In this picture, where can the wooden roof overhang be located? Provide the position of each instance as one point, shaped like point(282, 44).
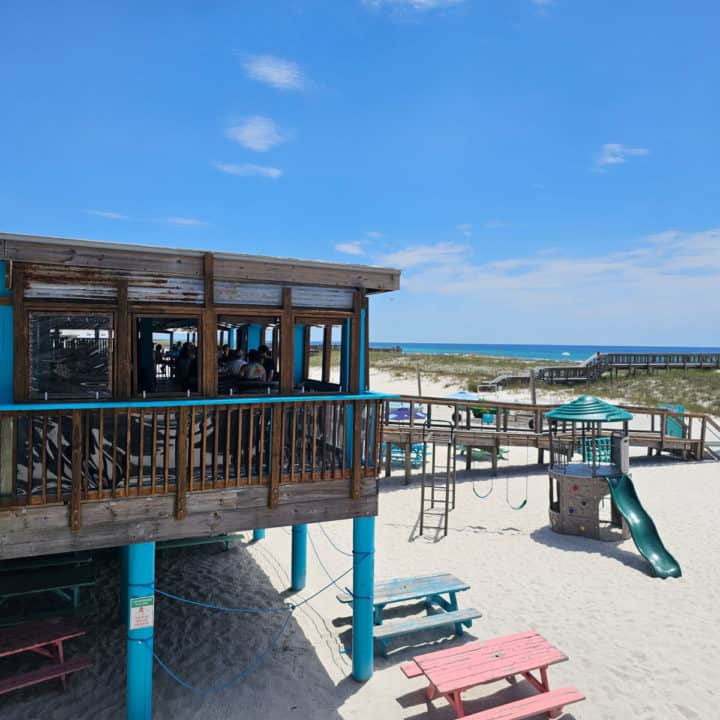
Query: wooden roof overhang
point(182, 263)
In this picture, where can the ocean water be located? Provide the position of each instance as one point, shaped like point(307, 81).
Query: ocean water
point(569, 353)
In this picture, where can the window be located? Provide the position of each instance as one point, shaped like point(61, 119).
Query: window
point(166, 355)
point(70, 355)
point(248, 355)
point(324, 360)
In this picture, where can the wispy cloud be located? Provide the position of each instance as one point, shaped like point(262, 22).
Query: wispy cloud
point(107, 214)
point(275, 71)
point(351, 248)
point(248, 169)
point(465, 229)
point(495, 224)
point(411, 4)
point(439, 254)
point(616, 154)
point(184, 221)
point(375, 234)
point(257, 133)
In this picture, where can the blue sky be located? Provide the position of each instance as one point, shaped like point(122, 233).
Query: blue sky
point(538, 168)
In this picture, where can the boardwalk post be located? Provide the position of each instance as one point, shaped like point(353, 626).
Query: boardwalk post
point(363, 581)
point(140, 592)
point(258, 534)
point(299, 557)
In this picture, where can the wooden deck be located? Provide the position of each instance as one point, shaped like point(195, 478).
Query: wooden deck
point(512, 428)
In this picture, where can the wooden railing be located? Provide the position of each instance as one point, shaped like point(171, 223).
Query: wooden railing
point(75, 453)
point(528, 418)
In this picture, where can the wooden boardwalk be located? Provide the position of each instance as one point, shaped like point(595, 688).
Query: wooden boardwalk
point(600, 363)
point(524, 425)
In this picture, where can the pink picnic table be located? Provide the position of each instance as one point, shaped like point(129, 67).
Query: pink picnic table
point(46, 638)
point(453, 671)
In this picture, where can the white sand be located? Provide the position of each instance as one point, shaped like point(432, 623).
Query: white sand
point(639, 647)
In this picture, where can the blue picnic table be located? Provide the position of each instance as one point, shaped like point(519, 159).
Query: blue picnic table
point(439, 593)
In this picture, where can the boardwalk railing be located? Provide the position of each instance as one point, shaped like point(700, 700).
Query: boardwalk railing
point(71, 453)
point(487, 423)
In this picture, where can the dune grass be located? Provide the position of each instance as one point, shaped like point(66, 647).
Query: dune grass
point(697, 390)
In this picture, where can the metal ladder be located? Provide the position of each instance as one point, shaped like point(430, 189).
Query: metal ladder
point(437, 489)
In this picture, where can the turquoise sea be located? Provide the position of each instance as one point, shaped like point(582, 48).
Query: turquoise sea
point(568, 353)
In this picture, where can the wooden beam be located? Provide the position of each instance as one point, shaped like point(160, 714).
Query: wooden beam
point(181, 464)
point(76, 469)
point(327, 353)
point(32, 530)
point(306, 351)
point(123, 345)
point(355, 343)
point(21, 354)
point(287, 339)
point(208, 333)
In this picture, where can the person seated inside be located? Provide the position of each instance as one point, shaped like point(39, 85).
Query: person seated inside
point(186, 367)
point(267, 362)
point(234, 364)
point(254, 369)
point(223, 355)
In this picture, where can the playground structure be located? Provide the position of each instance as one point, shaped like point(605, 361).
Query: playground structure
point(593, 495)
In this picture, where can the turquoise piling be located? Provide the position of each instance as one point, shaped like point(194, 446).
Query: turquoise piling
point(140, 592)
point(258, 534)
point(299, 557)
point(363, 581)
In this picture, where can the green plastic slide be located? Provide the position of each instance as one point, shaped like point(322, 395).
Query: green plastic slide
point(643, 529)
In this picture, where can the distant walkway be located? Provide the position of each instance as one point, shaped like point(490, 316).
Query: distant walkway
point(600, 363)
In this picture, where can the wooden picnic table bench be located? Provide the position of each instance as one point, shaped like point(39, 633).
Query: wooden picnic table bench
point(46, 638)
point(430, 588)
point(453, 671)
point(63, 580)
point(43, 561)
point(190, 542)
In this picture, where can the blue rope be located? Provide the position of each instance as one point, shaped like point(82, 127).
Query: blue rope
point(254, 665)
point(322, 564)
point(210, 606)
point(330, 540)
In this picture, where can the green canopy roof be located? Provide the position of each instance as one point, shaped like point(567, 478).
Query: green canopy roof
point(588, 407)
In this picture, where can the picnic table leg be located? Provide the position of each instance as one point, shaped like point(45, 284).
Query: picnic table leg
point(378, 614)
point(60, 659)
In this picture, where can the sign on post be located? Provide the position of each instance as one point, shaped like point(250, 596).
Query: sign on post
point(142, 611)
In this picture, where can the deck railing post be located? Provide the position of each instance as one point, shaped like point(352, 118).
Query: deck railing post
point(299, 557)
point(363, 582)
point(140, 592)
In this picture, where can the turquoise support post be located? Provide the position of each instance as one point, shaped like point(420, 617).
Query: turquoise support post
point(253, 336)
point(345, 351)
point(363, 612)
point(299, 557)
point(141, 598)
point(233, 339)
point(258, 534)
point(298, 353)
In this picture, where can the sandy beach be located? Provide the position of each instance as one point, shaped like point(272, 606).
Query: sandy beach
point(638, 647)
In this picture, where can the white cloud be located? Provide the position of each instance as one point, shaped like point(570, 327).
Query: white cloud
point(275, 71)
point(107, 214)
point(256, 133)
point(184, 221)
point(616, 154)
point(412, 4)
point(375, 234)
point(248, 169)
point(351, 248)
point(439, 254)
point(465, 229)
point(495, 224)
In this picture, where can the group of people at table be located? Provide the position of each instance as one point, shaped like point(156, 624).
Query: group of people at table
point(181, 360)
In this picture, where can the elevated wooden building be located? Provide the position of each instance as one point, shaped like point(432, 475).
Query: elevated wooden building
point(119, 423)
